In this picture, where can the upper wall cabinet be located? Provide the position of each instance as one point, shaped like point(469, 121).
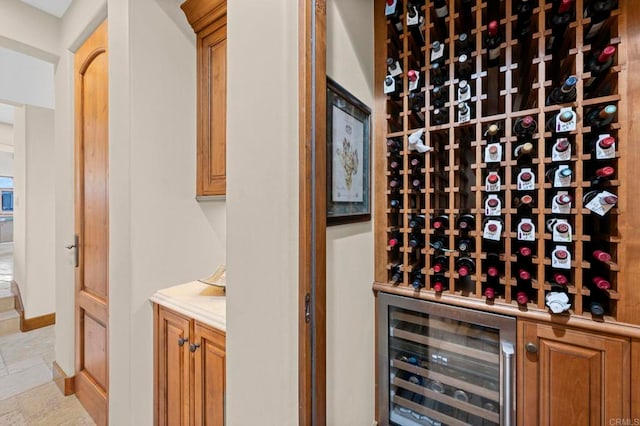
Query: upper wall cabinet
point(209, 21)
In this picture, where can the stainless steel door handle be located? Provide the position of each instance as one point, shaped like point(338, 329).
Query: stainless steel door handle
point(76, 252)
point(508, 389)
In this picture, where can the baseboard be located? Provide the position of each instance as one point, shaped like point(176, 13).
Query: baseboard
point(28, 324)
point(64, 382)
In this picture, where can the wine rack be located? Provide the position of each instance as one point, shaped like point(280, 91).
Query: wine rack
point(449, 180)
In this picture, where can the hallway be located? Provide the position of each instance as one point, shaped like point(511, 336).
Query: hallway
point(27, 394)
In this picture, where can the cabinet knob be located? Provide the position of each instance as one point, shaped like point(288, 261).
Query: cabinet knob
point(194, 346)
point(182, 341)
point(531, 347)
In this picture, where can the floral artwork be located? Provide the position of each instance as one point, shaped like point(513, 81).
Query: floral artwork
point(347, 169)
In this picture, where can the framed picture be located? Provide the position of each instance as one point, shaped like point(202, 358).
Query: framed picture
point(348, 157)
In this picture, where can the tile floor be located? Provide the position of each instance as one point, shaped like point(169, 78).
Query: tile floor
point(27, 394)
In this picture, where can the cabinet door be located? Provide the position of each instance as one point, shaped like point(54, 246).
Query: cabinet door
point(209, 376)
point(570, 377)
point(172, 368)
point(212, 109)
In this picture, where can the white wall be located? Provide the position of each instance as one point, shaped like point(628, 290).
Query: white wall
point(33, 210)
point(350, 301)
point(25, 79)
point(262, 213)
point(29, 30)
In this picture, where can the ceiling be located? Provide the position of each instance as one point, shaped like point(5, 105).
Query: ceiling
point(53, 7)
point(6, 113)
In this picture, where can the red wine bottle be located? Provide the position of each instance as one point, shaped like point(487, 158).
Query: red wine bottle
point(394, 146)
point(599, 118)
point(395, 241)
point(440, 264)
point(440, 223)
point(602, 175)
point(599, 11)
point(465, 266)
point(439, 283)
point(601, 283)
point(565, 93)
point(525, 127)
point(466, 222)
point(492, 43)
point(560, 279)
point(597, 64)
point(558, 21)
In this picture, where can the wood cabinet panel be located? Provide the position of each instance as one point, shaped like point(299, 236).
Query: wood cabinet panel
point(570, 377)
point(208, 20)
point(209, 376)
point(173, 368)
point(189, 379)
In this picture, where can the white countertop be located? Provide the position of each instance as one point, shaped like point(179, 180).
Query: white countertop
point(193, 300)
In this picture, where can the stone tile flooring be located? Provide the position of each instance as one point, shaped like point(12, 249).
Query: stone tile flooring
point(27, 394)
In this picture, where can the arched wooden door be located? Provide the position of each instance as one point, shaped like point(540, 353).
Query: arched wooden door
point(92, 224)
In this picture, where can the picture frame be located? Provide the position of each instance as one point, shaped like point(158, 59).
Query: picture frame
point(348, 157)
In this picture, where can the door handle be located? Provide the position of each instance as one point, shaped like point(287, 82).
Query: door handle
point(76, 253)
point(194, 346)
point(508, 388)
point(182, 341)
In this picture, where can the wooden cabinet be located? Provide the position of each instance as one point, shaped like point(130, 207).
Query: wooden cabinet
point(189, 373)
point(209, 21)
point(571, 377)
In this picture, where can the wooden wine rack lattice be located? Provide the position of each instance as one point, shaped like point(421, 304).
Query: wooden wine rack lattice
point(454, 171)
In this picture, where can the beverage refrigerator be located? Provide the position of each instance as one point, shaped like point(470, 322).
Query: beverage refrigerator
point(444, 365)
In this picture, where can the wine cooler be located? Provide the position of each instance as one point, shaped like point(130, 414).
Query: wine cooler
point(444, 365)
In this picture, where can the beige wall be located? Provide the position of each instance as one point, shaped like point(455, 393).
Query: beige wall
point(19, 188)
point(350, 311)
point(262, 216)
point(28, 30)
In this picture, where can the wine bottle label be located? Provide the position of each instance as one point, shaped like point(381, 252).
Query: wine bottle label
point(389, 86)
point(464, 114)
point(442, 11)
point(565, 126)
point(415, 19)
point(494, 53)
point(492, 230)
point(560, 155)
point(562, 231)
point(415, 142)
point(492, 206)
point(598, 205)
point(464, 95)
point(560, 208)
point(493, 153)
point(492, 186)
point(395, 69)
point(390, 9)
point(526, 185)
point(561, 258)
point(560, 181)
point(437, 54)
point(605, 153)
point(557, 301)
point(526, 230)
point(413, 85)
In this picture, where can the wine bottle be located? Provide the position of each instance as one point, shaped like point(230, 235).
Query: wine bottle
point(492, 43)
point(440, 223)
point(438, 97)
point(393, 11)
point(392, 86)
point(464, 44)
point(597, 64)
point(466, 13)
point(603, 258)
point(440, 264)
point(599, 118)
point(523, 10)
point(523, 151)
point(464, 67)
point(599, 11)
point(466, 222)
point(395, 241)
point(565, 93)
point(416, 240)
point(525, 127)
point(524, 204)
point(439, 244)
point(415, 21)
point(394, 146)
point(559, 176)
point(465, 266)
point(603, 148)
point(464, 91)
point(561, 150)
point(464, 112)
point(602, 175)
point(437, 74)
point(442, 10)
point(560, 279)
point(416, 103)
point(417, 279)
point(414, 80)
point(565, 118)
point(440, 116)
point(558, 21)
point(438, 53)
point(598, 301)
point(395, 183)
point(493, 267)
point(439, 283)
point(417, 183)
point(396, 273)
point(465, 245)
point(416, 223)
point(395, 204)
point(415, 165)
